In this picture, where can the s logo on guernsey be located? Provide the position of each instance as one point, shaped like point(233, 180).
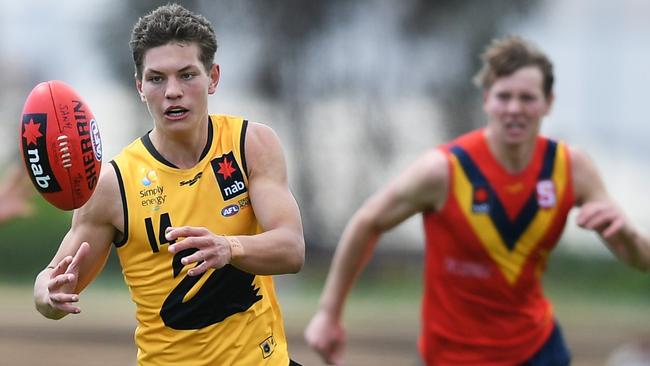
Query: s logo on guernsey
point(229, 176)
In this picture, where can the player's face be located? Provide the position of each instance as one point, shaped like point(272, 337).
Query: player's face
point(515, 105)
point(175, 86)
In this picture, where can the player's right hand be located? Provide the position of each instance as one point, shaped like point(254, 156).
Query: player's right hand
point(326, 336)
point(62, 285)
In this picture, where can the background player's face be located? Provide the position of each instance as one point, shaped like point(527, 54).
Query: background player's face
point(515, 105)
point(175, 85)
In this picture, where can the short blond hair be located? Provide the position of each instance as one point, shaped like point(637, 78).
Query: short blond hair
point(502, 57)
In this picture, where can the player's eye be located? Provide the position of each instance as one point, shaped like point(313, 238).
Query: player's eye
point(187, 76)
point(503, 97)
point(154, 79)
point(528, 98)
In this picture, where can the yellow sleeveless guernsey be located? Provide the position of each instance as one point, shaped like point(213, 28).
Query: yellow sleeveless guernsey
point(225, 316)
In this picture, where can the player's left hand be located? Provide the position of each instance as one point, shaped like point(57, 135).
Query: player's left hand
point(212, 251)
point(603, 217)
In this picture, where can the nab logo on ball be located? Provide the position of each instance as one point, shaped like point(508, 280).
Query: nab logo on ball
point(34, 127)
point(229, 176)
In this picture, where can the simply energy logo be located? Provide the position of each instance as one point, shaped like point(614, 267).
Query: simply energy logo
point(153, 195)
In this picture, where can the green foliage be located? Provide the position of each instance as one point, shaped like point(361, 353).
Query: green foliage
point(595, 278)
point(28, 244)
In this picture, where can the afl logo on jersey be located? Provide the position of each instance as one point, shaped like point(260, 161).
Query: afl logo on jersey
point(230, 210)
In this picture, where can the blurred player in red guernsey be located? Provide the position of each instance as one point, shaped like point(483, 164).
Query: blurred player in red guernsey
point(199, 210)
point(494, 204)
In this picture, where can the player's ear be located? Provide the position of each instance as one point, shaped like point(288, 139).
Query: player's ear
point(215, 73)
point(138, 86)
point(550, 98)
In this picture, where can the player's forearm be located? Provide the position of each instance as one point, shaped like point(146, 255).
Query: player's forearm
point(279, 251)
point(350, 258)
point(633, 247)
point(41, 301)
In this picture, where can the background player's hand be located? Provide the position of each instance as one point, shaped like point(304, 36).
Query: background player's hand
point(62, 286)
point(603, 217)
point(326, 336)
point(15, 206)
point(15, 195)
point(202, 246)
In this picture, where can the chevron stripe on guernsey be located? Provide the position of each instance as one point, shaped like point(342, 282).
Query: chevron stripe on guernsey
point(508, 242)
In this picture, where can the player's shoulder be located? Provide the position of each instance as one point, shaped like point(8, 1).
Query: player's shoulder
point(259, 132)
point(263, 149)
point(429, 171)
point(261, 139)
point(579, 158)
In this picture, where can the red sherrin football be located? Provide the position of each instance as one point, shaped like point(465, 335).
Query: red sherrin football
point(60, 144)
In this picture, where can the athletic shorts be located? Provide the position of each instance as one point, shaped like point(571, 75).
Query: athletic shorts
point(553, 353)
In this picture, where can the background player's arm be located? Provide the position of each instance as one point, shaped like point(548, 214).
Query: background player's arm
point(280, 248)
point(421, 187)
point(15, 193)
point(75, 265)
point(600, 213)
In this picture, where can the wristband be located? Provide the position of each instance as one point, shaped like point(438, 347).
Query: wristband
point(236, 249)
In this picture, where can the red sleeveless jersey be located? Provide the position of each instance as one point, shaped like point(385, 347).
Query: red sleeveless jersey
point(486, 250)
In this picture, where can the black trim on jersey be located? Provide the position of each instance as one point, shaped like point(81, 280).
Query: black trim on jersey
point(125, 208)
point(206, 149)
point(146, 141)
point(242, 147)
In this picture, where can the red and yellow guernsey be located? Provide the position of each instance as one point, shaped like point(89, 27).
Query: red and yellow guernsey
point(486, 250)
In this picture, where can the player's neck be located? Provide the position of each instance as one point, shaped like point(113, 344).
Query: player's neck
point(183, 149)
point(513, 157)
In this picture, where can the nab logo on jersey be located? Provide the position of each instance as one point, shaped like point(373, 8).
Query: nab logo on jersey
point(229, 176)
point(480, 200)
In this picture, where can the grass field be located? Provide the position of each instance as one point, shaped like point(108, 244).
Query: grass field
point(597, 313)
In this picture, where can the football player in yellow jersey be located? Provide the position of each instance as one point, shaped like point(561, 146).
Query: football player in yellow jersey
point(494, 203)
point(199, 210)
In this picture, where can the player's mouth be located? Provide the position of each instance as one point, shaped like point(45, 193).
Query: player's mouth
point(515, 126)
point(176, 112)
